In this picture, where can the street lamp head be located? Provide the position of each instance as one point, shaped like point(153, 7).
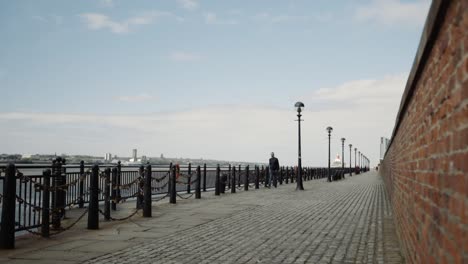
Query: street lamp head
point(299, 106)
point(350, 146)
point(343, 140)
point(355, 149)
point(329, 129)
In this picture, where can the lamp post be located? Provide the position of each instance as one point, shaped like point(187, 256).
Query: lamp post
point(299, 186)
point(350, 151)
point(355, 160)
point(329, 129)
point(359, 161)
point(342, 155)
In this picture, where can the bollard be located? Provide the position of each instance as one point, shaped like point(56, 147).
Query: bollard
point(239, 179)
point(107, 191)
point(204, 177)
point(197, 184)
point(222, 183)
point(114, 189)
point(233, 184)
point(263, 175)
point(172, 185)
point(93, 209)
point(45, 228)
point(7, 226)
point(189, 177)
point(246, 180)
point(119, 178)
point(287, 175)
point(140, 186)
point(81, 186)
point(217, 183)
point(147, 193)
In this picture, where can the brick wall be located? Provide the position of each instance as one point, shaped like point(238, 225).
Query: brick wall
point(426, 166)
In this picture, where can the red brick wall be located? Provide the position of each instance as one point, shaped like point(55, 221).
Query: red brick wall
point(426, 167)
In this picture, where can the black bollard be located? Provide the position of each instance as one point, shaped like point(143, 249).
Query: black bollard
point(246, 180)
point(114, 189)
point(217, 180)
point(147, 192)
point(107, 193)
point(93, 210)
point(233, 183)
point(172, 185)
point(7, 226)
point(204, 177)
point(189, 177)
point(81, 186)
point(287, 175)
point(198, 184)
point(45, 223)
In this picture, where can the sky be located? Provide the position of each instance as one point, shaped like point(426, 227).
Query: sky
point(204, 78)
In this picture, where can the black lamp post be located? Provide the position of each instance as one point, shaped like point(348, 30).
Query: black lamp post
point(299, 186)
point(350, 150)
point(342, 155)
point(329, 129)
point(355, 160)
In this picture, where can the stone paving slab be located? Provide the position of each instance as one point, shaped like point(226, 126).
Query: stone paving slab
point(349, 221)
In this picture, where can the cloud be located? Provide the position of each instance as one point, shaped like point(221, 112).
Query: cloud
point(97, 21)
point(227, 132)
point(188, 4)
point(182, 56)
point(56, 19)
point(283, 18)
point(135, 98)
point(213, 19)
point(107, 3)
point(394, 12)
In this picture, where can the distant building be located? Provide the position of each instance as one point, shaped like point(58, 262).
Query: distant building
point(162, 156)
point(108, 157)
point(134, 154)
point(384, 142)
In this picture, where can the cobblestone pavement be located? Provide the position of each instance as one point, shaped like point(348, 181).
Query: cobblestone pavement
point(341, 222)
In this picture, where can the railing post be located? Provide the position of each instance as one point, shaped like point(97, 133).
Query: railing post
point(119, 179)
point(114, 189)
point(172, 185)
point(239, 179)
point(7, 226)
point(229, 177)
point(281, 176)
point(246, 179)
point(147, 192)
point(217, 180)
point(56, 170)
point(107, 193)
point(63, 182)
point(204, 177)
point(257, 177)
point(222, 183)
point(93, 210)
point(189, 177)
point(140, 186)
point(45, 222)
point(81, 186)
point(198, 184)
point(233, 183)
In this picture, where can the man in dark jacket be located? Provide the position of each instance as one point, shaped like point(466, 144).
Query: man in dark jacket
point(274, 168)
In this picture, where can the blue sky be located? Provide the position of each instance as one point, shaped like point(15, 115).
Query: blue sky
point(175, 62)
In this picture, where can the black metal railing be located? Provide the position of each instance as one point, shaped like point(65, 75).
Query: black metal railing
point(37, 197)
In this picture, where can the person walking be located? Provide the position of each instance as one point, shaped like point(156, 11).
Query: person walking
point(273, 168)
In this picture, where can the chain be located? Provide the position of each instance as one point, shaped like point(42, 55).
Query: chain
point(119, 219)
point(71, 225)
point(160, 187)
point(187, 197)
point(160, 198)
point(162, 178)
point(127, 185)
